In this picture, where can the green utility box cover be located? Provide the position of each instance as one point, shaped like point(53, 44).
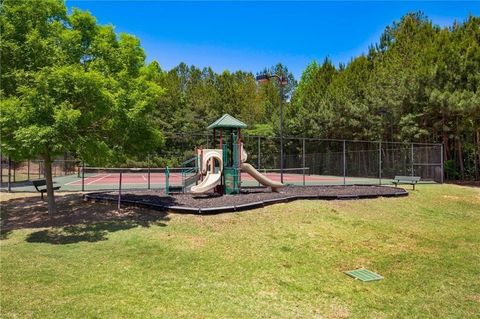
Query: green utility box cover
point(232, 182)
point(364, 274)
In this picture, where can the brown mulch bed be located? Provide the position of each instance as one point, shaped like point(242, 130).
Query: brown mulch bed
point(248, 198)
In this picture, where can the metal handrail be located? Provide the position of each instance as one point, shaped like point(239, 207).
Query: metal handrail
point(186, 170)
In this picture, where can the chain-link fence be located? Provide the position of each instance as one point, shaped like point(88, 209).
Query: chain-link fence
point(21, 173)
point(306, 161)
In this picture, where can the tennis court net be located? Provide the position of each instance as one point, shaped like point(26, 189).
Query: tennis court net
point(129, 171)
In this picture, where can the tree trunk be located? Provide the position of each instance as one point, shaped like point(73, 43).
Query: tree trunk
point(65, 166)
point(446, 149)
point(48, 178)
point(478, 150)
point(475, 163)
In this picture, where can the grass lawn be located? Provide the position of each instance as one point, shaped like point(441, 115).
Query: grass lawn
point(282, 261)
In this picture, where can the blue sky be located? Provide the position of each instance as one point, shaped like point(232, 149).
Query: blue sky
point(253, 35)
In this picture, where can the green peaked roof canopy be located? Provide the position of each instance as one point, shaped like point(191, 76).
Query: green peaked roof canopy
point(227, 121)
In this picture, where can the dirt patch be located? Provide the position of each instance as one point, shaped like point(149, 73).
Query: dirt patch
point(465, 183)
point(338, 311)
point(4, 196)
point(193, 242)
point(476, 298)
point(31, 212)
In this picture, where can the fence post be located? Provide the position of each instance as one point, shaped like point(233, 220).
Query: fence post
point(28, 170)
point(411, 154)
point(148, 164)
point(258, 155)
point(83, 176)
point(344, 163)
point(441, 163)
point(9, 174)
point(119, 190)
point(380, 163)
point(167, 180)
point(303, 159)
point(65, 164)
point(1, 168)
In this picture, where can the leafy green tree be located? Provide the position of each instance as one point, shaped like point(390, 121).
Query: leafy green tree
point(71, 85)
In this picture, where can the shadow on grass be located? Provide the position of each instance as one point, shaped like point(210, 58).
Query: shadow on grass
point(4, 234)
point(76, 220)
point(84, 233)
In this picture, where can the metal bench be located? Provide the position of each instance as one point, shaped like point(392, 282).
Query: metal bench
point(41, 182)
point(412, 180)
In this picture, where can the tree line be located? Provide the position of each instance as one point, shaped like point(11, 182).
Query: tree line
point(69, 84)
point(419, 83)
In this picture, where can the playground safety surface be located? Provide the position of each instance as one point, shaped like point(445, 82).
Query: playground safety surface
point(249, 198)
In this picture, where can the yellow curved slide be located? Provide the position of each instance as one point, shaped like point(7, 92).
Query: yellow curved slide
point(262, 179)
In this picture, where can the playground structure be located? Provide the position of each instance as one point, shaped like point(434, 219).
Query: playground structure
point(220, 169)
point(211, 168)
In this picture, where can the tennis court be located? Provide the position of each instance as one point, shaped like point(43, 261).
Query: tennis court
point(306, 162)
point(93, 179)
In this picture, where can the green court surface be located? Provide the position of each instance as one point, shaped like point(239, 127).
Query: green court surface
point(101, 182)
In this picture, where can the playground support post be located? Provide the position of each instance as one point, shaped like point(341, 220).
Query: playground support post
point(380, 163)
point(303, 160)
point(344, 163)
